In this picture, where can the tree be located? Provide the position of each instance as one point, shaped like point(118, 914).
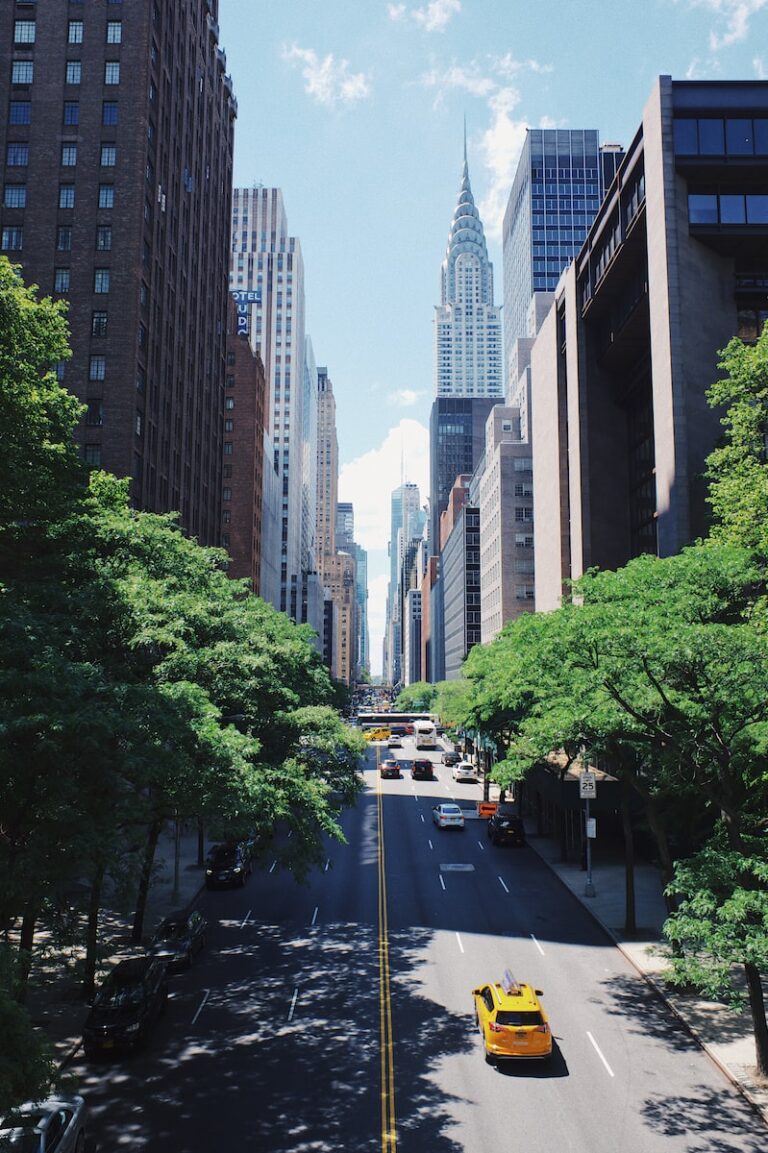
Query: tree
point(417, 697)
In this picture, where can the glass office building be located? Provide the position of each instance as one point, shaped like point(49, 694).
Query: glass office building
point(559, 185)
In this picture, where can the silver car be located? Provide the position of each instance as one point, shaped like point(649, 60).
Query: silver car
point(448, 816)
point(464, 771)
point(37, 1126)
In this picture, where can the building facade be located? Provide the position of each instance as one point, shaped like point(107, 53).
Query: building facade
point(674, 266)
point(116, 198)
point(460, 576)
point(266, 259)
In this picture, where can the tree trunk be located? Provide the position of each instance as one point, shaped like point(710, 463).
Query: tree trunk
point(662, 844)
point(145, 881)
point(92, 933)
point(630, 918)
point(26, 944)
point(759, 1024)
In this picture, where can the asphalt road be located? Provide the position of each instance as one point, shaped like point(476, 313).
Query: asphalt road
point(338, 1015)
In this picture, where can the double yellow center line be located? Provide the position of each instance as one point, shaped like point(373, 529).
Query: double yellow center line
point(386, 1039)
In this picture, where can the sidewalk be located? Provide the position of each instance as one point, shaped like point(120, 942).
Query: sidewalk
point(55, 1003)
point(724, 1035)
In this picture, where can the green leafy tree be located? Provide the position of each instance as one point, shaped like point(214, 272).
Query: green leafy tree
point(417, 697)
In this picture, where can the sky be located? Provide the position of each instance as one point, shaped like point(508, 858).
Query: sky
point(355, 109)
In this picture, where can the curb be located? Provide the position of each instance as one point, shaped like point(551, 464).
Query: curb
point(660, 992)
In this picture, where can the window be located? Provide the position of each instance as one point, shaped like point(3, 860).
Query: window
point(757, 209)
point(229, 425)
point(17, 155)
point(61, 280)
point(71, 112)
point(227, 447)
point(66, 196)
point(64, 238)
point(22, 72)
point(15, 196)
point(60, 368)
point(229, 402)
point(20, 112)
point(75, 32)
point(12, 239)
point(104, 238)
point(98, 323)
point(109, 112)
point(226, 494)
point(101, 280)
point(97, 368)
point(108, 155)
point(94, 412)
point(226, 516)
point(74, 71)
point(114, 32)
point(112, 72)
point(702, 209)
point(92, 455)
point(738, 137)
point(711, 138)
point(24, 32)
point(106, 196)
point(68, 155)
point(732, 210)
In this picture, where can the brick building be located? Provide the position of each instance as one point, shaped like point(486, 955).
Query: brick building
point(116, 150)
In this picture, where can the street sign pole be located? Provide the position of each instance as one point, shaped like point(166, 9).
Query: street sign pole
point(588, 790)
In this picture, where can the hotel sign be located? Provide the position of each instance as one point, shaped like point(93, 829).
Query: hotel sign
point(244, 298)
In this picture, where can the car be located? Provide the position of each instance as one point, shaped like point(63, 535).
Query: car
point(390, 768)
point(178, 939)
point(57, 1123)
point(512, 1021)
point(394, 742)
point(127, 1006)
point(379, 734)
point(448, 816)
point(505, 827)
point(227, 865)
point(422, 770)
point(450, 757)
point(464, 771)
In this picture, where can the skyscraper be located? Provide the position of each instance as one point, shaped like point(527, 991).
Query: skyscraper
point(116, 198)
point(561, 178)
point(265, 257)
point(468, 350)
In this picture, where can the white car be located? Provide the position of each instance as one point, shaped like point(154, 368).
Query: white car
point(448, 816)
point(464, 771)
point(56, 1123)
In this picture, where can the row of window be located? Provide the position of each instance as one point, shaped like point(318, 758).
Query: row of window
point(728, 208)
point(25, 32)
point(23, 72)
point(20, 113)
point(715, 136)
point(17, 156)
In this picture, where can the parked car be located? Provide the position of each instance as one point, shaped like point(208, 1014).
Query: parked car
point(127, 1006)
point(464, 771)
point(422, 770)
point(512, 1021)
point(178, 939)
point(448, 816)
point(505, 827)
point(390, 768)
point(451, 757)
point(228, 864)
point(58, 1123)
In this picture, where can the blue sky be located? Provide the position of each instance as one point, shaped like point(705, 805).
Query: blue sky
point(355, 109)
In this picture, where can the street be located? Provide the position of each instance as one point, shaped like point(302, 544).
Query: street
point(338, 1015)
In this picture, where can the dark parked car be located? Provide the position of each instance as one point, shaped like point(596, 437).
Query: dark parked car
point(505, 827)
point(451, 757)
point(422, 770)
point(179, 938)
point(228, 864)
point(127, 1005)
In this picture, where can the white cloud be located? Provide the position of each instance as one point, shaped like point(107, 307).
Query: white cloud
point(468, 79)
point(404, 397)
point(759, 66)
point(500, 146)
point(732, 15)
point(368, 481)
point(507, 65)
point(432, 17)
point(328, 80)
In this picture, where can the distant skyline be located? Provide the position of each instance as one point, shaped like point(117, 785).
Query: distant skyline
point(356, 111)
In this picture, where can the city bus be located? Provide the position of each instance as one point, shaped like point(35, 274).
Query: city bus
point(425, 733)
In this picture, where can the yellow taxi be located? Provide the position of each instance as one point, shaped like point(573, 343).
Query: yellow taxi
point(380, 734)
point(512, 1022)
